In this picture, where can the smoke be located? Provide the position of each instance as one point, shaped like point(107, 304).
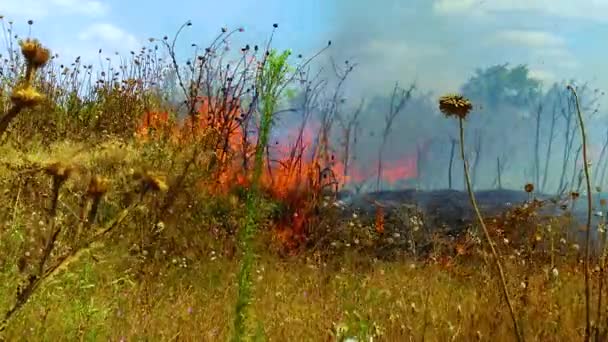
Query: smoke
point(409, 42)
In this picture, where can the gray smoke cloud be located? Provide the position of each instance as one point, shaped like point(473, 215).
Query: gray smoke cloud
point(438, 46)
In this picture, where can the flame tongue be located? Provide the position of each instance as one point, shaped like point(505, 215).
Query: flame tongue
point(297, 169)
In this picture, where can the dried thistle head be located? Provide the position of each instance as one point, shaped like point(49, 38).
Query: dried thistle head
point(41, 57)
point(35, 54)
point(152, 180)
point(26, 96)
point(603, 202)
point(455, 105)
point(29, 48)
point(59, 170)
point(529, 187)
point(98, 186)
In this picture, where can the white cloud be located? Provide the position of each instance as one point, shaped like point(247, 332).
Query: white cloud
point(37, 9)
point(528, 38)
point(541, 49)
point(454, 6)
point(580, 9)
point(540, 74)
point(86, 43)
point(556, 57)
point(109, 36)
point(400, 49)
point(88, 7)
point(381, 62)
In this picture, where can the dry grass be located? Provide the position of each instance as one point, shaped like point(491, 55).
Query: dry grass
point(182, 284)
point(294, 302)
point(158, 257)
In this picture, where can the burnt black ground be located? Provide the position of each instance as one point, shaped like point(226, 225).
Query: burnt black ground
point(452, 208)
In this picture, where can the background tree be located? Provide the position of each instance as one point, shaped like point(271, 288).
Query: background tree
point(505, 97)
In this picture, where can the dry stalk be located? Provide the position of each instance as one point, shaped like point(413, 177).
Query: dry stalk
point(459, 107)
point(588, 225)
point(503, 280)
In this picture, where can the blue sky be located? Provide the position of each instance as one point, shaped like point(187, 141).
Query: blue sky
point(438, 43)
point(81, 27)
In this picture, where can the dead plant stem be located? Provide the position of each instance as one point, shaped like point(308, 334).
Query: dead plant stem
point(588, 225)
point(503, 281)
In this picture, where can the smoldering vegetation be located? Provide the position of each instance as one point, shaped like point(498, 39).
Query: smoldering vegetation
point(159, 193)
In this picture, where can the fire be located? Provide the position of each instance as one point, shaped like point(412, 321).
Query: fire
point(379, 219)
point(151, 124)
point(399, 170)
point(299, 169)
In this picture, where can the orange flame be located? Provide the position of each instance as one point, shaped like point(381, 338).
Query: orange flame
point(298, 168)
point(379, 219)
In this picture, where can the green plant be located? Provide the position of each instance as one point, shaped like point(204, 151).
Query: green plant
point(270, 82)
point(364, 329)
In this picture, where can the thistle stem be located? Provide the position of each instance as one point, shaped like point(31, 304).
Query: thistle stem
point(588, 225)
point(503, 281)
point(7, 118)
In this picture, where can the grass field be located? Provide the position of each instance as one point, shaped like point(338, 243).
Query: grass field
point(127, 216)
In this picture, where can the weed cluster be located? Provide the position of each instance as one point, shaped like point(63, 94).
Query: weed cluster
point(162, 200)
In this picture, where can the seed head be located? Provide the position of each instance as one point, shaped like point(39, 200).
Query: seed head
point(603, 202)
point(98, 186)
point(41, 58)
point(26, 97)
point(152, 180)
point(60, 170)
point(34, 53)
point(529, 187)
point(455, 105)
point(574, 195)
point(29, 47)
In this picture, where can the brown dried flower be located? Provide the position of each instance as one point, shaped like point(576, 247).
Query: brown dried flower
point(98, 186)
point(152, 180)
point(29, 47)
point(455, 105)
point(26, 97)
point(41, 58)
point(59, 170)
point(529, 187)
point(35, 54)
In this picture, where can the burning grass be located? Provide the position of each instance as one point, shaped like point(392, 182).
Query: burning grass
point(154, 215)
